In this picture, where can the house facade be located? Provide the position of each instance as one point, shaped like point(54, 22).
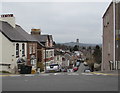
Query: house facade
point(48, 47)
point(17, 46)
point(111, 37)
point(12, 50)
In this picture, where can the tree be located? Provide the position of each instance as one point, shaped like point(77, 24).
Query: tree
point(97, 54)
point(76, 48)
point(84, 48)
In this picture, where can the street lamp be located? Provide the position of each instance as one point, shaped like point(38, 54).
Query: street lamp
point(45, 59)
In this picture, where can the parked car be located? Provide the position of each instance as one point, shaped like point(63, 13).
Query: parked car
point(87, 70)
point(53, 68)
point(75, 69)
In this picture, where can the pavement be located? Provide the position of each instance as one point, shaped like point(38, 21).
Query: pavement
point(80, 71)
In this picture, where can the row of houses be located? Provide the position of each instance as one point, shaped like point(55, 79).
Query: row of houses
point(111, 37)
point(17, 47)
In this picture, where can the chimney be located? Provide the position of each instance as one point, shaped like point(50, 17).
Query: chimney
point(35, 32)
point(8, 18)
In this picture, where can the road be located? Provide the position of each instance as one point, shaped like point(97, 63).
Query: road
point(77, 81)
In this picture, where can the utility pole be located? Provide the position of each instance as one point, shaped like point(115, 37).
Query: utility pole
point(45, 59)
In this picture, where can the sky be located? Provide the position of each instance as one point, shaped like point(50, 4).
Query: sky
point(66, 21)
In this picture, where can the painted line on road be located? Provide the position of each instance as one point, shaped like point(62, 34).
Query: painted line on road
point(10, 75)
point(104, 74)
point(28, 75)
point(87, 74)
point(15, 75)
point(72, 74)
point(58, 74)
point(44, 74)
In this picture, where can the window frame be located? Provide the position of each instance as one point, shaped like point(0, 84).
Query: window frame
point(17, 50)
point(23, 49)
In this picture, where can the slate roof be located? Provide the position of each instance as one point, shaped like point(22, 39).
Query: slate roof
point(42, 38)
point(25, 34)
point(11, 32)
point(17, 33)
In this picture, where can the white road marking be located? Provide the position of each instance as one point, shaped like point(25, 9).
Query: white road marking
point(86, 73)
point(58, 74)
point(29, 75)
point(15, 75)
point(44, 74)
point(72, 74)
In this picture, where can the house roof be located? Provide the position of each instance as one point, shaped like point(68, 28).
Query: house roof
point(29, 37)
point(107, 9)
point(11, 32)
point(42, 38)
point(25, 34)
point(17, 33)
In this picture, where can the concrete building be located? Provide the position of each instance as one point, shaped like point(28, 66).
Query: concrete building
point(111, 37)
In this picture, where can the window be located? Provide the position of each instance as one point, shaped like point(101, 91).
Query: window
point(17, 50)
point(51, 53)
point(30, 49)
point(57, 58)
point(33, 48)
point(23, 49)
point(47, 54)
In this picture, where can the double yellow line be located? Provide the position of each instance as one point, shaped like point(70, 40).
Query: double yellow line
point(105, 74)
point(7, 75)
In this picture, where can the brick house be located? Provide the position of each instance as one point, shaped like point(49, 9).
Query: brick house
point(111, 37)
point(34, 49)
point(48, 49)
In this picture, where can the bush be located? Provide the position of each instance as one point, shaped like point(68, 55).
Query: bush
point(4, 72)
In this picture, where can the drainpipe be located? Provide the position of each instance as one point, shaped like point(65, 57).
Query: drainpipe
point(114, 16)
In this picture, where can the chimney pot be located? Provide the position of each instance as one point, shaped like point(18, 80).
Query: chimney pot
point(35, 32)
point(8, 18)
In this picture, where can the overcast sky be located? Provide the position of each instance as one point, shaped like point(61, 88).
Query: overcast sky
point(66, 21)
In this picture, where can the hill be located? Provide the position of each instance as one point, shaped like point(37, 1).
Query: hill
point(72, 44)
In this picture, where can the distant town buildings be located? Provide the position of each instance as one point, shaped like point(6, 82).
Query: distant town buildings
point(111, 37)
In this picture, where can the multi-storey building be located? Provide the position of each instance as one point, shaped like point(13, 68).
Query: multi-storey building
point(111, 37)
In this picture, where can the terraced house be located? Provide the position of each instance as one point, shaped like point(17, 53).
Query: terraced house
point(111, 37)
point(47, 41)
point(17, 47)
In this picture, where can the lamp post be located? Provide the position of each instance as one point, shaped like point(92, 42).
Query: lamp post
point(45, 59)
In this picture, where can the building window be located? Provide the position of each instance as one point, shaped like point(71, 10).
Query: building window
point(33, 48)
point(51, 53)
point(23, 49)
point(57, 58)
point(17, 50)
point(30, 49)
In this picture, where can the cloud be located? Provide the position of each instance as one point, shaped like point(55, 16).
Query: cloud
point(65, 21)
